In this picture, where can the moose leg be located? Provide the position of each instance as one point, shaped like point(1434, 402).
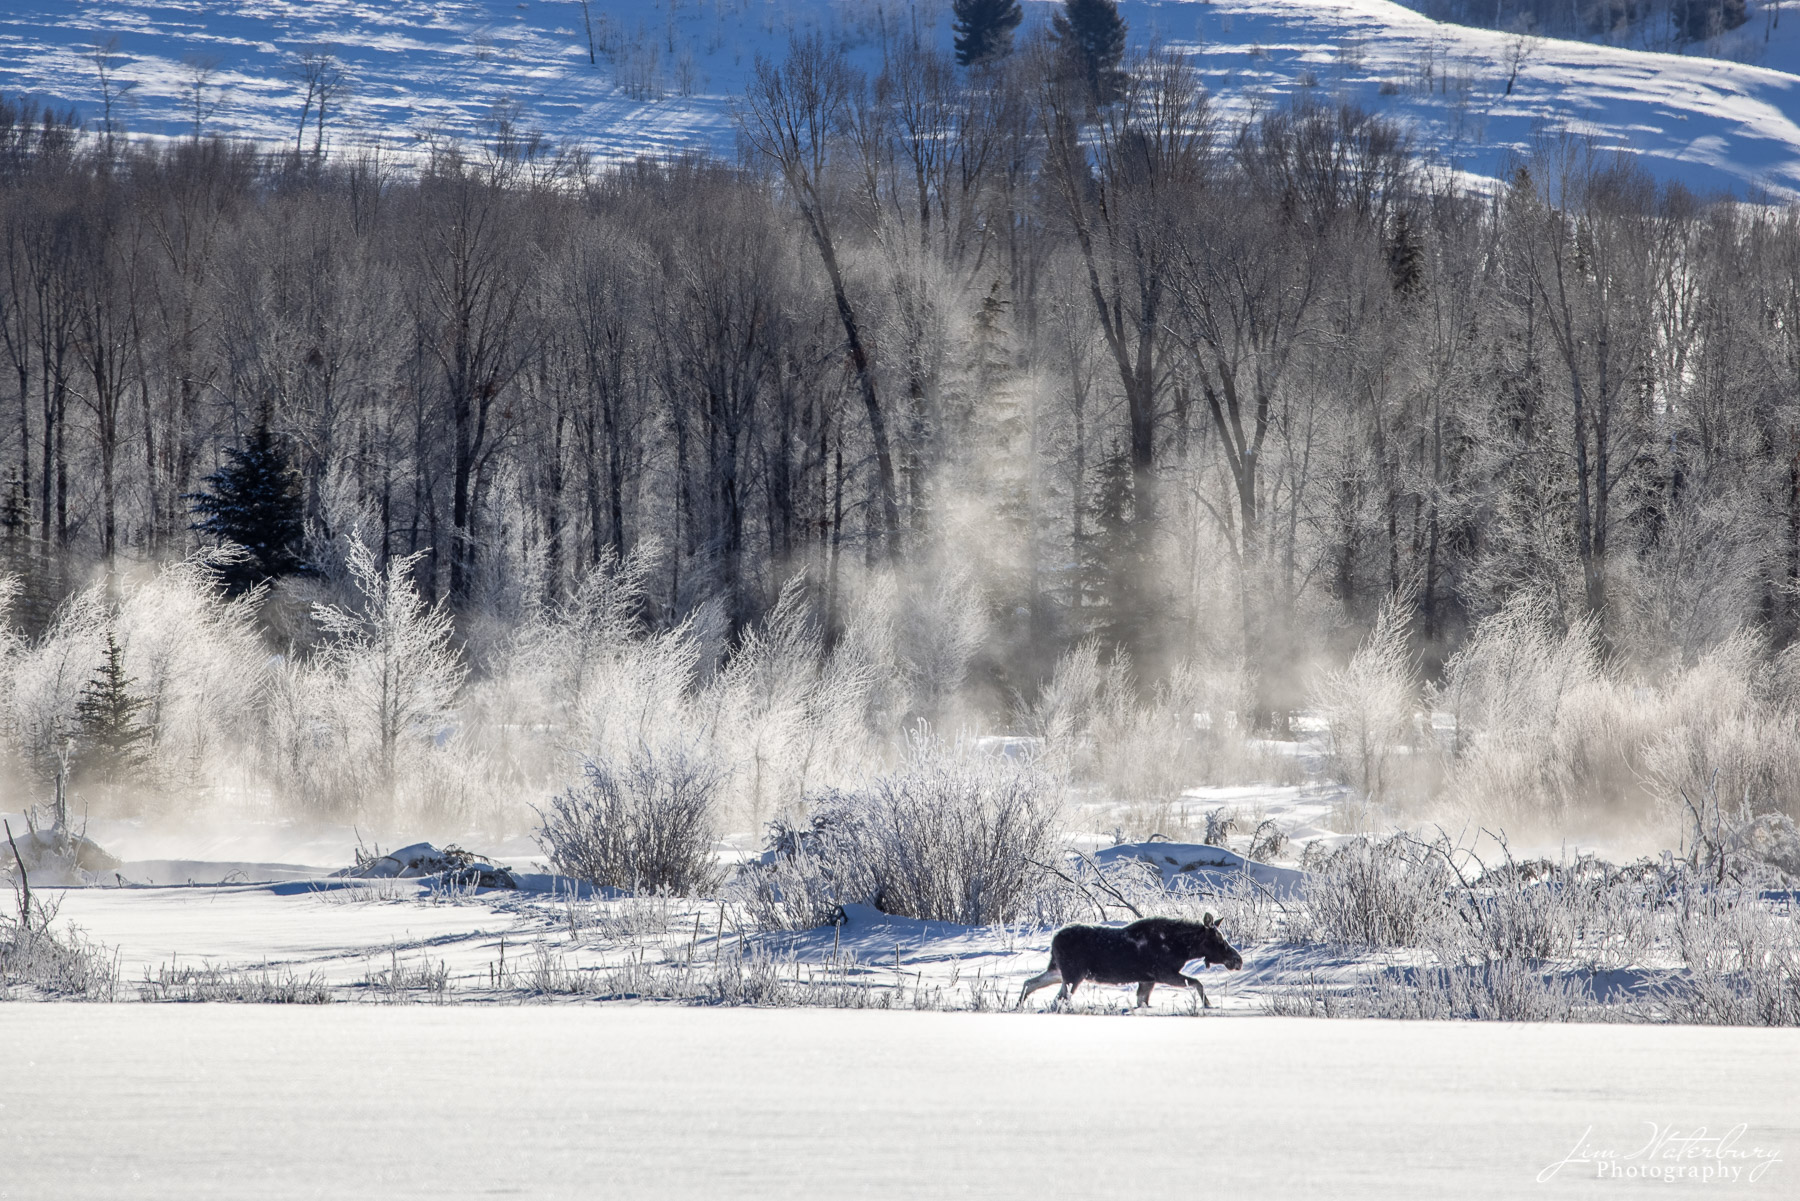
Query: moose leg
point(1201, 989)
point(1041, 980)
point(1144, 992)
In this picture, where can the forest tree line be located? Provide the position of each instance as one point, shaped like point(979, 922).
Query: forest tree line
point(1186, 385)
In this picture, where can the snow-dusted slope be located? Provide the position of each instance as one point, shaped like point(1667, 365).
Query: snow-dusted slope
point(669, 71)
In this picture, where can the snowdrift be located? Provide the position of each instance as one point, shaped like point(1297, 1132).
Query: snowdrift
point(1207, 866)
point(421, 859)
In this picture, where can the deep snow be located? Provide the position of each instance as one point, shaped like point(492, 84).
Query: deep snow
point(425, 72)
point(208, 1101)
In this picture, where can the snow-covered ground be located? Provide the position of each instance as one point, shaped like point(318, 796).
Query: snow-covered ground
point(353, 937)
point(274, 926)
point(264, 898)
point(669, 71)
point(267, 898)
point(191, 1102)
point(788, 1095)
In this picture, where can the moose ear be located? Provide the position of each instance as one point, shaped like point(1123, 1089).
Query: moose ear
point(1208, 920)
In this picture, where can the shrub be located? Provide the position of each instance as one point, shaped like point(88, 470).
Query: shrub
point(1369, 704)
point(641, 821)
point(1493, 992)
point(1391, 893)
point(1143, 746)
point(1543, 730)
point(955, 835)
point(1742, 962)
point(37, 961)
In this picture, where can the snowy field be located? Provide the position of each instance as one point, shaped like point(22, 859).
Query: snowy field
point(260, 905)
point(623, 1102)
point(259, 901)
point(668, 72)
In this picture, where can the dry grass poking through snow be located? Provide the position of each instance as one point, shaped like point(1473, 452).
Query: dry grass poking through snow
point(263, 986)
point(40, 962)
point(1653, 941)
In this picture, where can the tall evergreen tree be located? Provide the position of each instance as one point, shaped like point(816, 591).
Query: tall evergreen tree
point(111, 738)
point(255, 502)
point(1000, 437)
point(984, 29)
point(1109, 559)
point(1406, 257)
point(1091, 35)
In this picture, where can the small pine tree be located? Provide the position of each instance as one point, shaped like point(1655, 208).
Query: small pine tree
point(984, 29)
point(1108, 558)
point(111, 740)
point(991, 361)
point(1406, 257)
point(1091, 35)
point(40, 577)
point(254, 502)
point(15, 511)
point(1000, 435)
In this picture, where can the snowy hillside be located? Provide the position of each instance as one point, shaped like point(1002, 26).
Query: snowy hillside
point(667, 72)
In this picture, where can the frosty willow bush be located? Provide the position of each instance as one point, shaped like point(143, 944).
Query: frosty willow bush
point(1525, 941)
point(1369, 704)
point(390, 672)
point(366, 724)
point(1102, 730)
point(640, 821)
point(1546, 727)
point(194, 660)
point(953, 834)
point(1369, 893)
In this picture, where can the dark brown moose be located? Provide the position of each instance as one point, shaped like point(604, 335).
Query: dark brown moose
point(1145, 953)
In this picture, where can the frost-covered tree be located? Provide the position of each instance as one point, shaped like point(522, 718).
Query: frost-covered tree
point(1369, 703)
point(198, 655)
point(391, 669)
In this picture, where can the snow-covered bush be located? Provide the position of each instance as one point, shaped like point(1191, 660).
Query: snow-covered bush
point(1728, 746)
point(1369, 893)
point(189, 654)
point(638, 821)
point(1743, 964)
point(38, 961)
point(194, 653)
point(380, 696)
point(1141, 747)
point(786, 716)
point(916, 635)
point(1501, 991)
point(44, 678)
point(953, 834)
point(1369, 704)
point(1543, 729)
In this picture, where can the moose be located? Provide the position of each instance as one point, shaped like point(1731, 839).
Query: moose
point(1146, 953)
